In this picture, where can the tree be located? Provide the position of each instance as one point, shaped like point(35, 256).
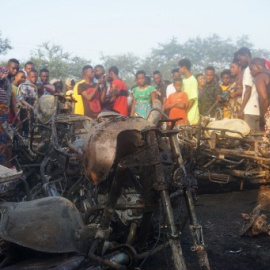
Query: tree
point(60, 63)
point(4, 45)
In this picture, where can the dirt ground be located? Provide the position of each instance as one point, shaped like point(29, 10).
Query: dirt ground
point(219, 214)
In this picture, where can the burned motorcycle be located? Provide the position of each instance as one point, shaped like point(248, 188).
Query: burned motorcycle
point(118, 210)
point(225, 151)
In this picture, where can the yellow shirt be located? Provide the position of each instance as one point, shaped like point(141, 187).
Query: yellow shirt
point(78, 109)
point(226, 111)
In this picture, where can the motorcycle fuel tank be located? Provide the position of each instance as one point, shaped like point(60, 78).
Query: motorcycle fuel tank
point(47, 225)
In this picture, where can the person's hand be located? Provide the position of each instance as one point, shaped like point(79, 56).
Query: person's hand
point(241, 114)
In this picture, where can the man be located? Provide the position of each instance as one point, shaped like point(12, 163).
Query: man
point(190, 86)
point(210, 94)
point(28, 97)
point(262, 83)
point(89, 91)
point(250, 101)
point(160, 87)
point(170, 88)
point(28, 67)
point(99, 71)
point(49, 89)
point(13, 67)
point(118, 92)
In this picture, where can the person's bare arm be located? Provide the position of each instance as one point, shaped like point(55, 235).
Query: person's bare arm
point(190, 104)
point(180, 105)
point(90, 96)
point(50, 88)
point(132, 107)
point(246, 98)
point(261, 82)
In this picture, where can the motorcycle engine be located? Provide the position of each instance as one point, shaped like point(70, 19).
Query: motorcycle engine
point(130, 197)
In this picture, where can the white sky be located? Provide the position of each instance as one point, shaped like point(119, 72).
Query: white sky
point(88, 28)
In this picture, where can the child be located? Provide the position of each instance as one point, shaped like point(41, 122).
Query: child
point(225, 85)
point(177, 103)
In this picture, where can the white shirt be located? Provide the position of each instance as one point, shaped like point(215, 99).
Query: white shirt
point(252, 107)
point(170, 90)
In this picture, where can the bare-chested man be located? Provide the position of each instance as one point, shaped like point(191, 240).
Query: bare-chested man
point(262, 81)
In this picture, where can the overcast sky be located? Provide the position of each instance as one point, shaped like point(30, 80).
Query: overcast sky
point(88, 28)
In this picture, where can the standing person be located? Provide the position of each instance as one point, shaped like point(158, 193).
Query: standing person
point(18, 79)
point(170, 88)
point(69, 85)
point(250, 100)
point(211, 93)
point(99, 71)
point(119, 92)
point(177, 103)
point(201, 81)
point(262, 83)
point(89, 91)
point(5, 100)
point(235, 99)
point(58, 85)
point(13, 67)
point(28, 67)
point(143, 96)
point(28, 97)
point(160, 87)
point(49, 89)
point(190, 86)
point(225, 86)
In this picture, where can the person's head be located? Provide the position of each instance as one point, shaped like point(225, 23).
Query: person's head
point(99, 71)
point(32, 76)
point(113, 72)
point(69, 84)
point(184, 66)
point(209, 74)
point(201, 80)
point(29, 66)
point(157, 77)
point(235, 68)
point(58, 86)
point(257, 66)
point(13, 67)
point(19, 78)
point(243, 56)
point(88, 72)
point(177, 83)
point(175, 74)
point(140, 78)
point(225, 77)
point(44, 75)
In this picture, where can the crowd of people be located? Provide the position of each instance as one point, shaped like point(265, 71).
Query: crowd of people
point(241, 91)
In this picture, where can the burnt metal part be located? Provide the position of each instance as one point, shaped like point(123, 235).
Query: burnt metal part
point(47, 225)
point(255, 223)
point(105, 144)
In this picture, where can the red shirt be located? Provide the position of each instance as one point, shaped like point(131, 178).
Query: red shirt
point(94, 104)
point(120, 104)
point(177, 112)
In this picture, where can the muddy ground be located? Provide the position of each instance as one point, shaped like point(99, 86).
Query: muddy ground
point(218, 210)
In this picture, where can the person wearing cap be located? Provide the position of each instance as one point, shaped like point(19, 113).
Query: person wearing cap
point(58, 85)
point(49, 88)
point(69, 85)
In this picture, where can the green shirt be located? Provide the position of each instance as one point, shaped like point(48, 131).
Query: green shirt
point(190, 86)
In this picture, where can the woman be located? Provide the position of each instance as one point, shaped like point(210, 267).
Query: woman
point(235, 100)
point(18, 79)
point(143, 96)
point(5, 100)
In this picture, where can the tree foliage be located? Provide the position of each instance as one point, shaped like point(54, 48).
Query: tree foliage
point(61, 64)
point(4, 45)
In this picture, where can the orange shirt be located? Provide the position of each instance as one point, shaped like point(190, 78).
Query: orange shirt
point(177, 112)
point(120, 104)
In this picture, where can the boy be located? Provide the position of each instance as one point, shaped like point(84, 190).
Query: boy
point(225, 85)
point(177, 103)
